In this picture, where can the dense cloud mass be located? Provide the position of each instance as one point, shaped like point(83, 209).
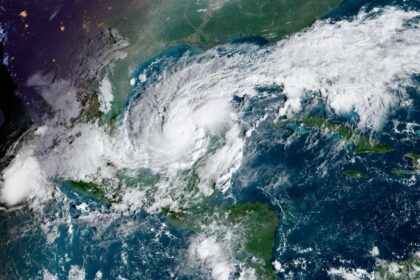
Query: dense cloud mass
point(170, 125)
point(186, 118)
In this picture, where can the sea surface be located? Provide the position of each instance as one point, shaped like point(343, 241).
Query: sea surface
point(327, 221)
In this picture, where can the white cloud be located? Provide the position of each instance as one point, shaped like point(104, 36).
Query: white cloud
point(212, 256)
point(350, 274)
point(356, 65)
point(46, 275)
point(76, 273)
point(24, 179)
point(106, 95)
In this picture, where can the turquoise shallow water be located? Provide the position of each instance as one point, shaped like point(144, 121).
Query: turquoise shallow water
point(326, 219)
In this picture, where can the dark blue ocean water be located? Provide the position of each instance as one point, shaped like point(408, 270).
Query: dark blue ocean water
point(326, 219)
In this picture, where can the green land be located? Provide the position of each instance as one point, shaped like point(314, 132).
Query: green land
point(415, 165)
point(366, 145)
point(154, 26)
point(400, 171)
point(355, 174)
point(254, 223)
point(415, 160)
point(92, 190)
point(403, 270)
point(362, 144)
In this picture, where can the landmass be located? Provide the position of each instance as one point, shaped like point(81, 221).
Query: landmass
point(91, 190)
point(408, 269)
point(362, 144)
point(355, 174)
point(415, 165)
point(254, 223)
point(158, 25)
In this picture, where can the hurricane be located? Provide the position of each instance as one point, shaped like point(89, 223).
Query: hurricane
point(247, 160)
